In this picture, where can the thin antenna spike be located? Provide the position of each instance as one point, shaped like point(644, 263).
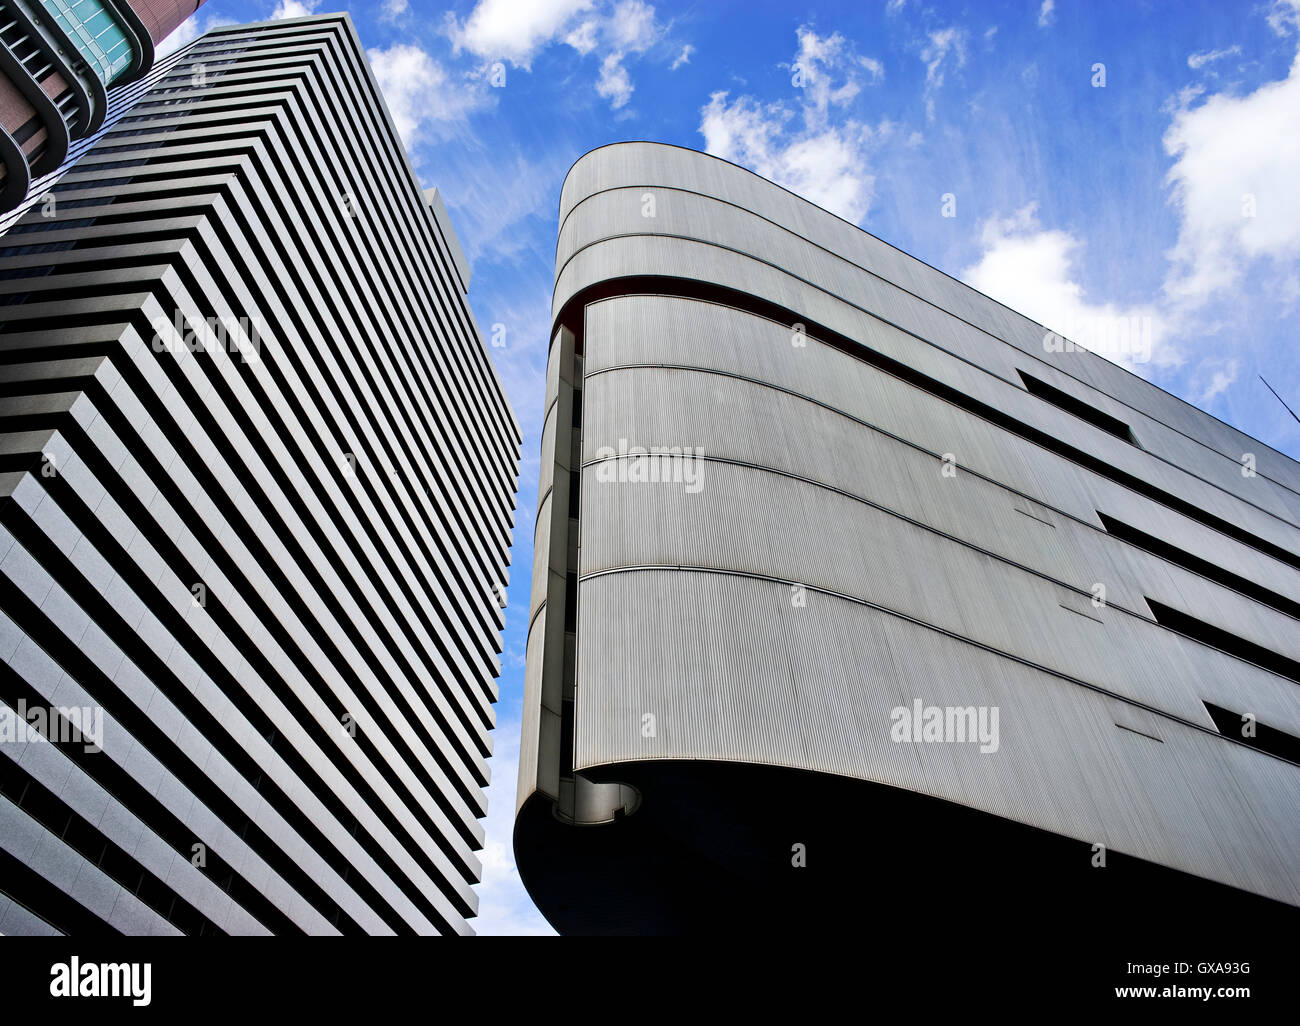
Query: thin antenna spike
point(1279, 398)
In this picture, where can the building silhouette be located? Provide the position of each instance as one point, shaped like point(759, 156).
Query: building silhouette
point(256, 505)
point(861, 598)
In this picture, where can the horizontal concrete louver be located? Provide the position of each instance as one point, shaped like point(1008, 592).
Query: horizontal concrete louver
point(275, 569)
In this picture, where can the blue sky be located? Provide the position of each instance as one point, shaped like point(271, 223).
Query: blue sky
point(1097, 162)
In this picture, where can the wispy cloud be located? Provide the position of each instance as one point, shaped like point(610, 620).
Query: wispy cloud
point(945, 49)
point(613, 31)
point(503, 203)
point(1233, 186)
point(294, 9)
point(1199, 60)
point(514, 32)
point(1036, 271)
point(801, 145)
point(1236, 157)
point(420, 92)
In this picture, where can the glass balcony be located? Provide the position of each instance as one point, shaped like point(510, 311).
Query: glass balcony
point(95, 30)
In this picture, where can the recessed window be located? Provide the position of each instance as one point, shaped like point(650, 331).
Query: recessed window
point(1173, 554)
point(1209, 634)
point(962, 401)
point(1078, 408)
point(571, 603)
point(1250, 731)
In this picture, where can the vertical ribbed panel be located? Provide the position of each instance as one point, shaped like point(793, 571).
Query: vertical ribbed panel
point(859, 506)
point(539, 752)
point(609, 174)
point(813, 687)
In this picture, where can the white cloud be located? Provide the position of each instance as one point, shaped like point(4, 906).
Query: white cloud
point(294, 9)
point(182, 35)
point(584, 37)
point(1284, 16)
point(822, 166)
point(632, 27)
point(189, 30)
point(803, 150)
point(1047, 13)
point(945, 47)
point(1236, 159)
point(511, 31)
point(614, 83)
point(629, 28)
point(418, 90)
point(1233, 185)
point(1199, 60)
point(1035, 272)
point(682, 58)
point(506, 30)
point(818, 56)
point(1220, 381)
point(394, 9)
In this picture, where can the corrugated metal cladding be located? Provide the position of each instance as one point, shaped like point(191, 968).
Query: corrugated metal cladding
point(258, 494)
point(865, 502)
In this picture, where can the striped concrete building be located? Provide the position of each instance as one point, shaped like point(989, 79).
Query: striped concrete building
point(256, 504)
point(860, 598)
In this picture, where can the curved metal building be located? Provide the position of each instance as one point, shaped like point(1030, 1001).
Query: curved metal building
point(855, 592)
point(58, 59)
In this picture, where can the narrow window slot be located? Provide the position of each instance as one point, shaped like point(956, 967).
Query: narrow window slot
point(1199, 630)
point(668, 286)
point(1251, 732)
point(1077, 408)
point(1173, 554)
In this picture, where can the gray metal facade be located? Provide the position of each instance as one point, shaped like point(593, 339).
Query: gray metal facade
point(256, 504)
point(885, 509)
